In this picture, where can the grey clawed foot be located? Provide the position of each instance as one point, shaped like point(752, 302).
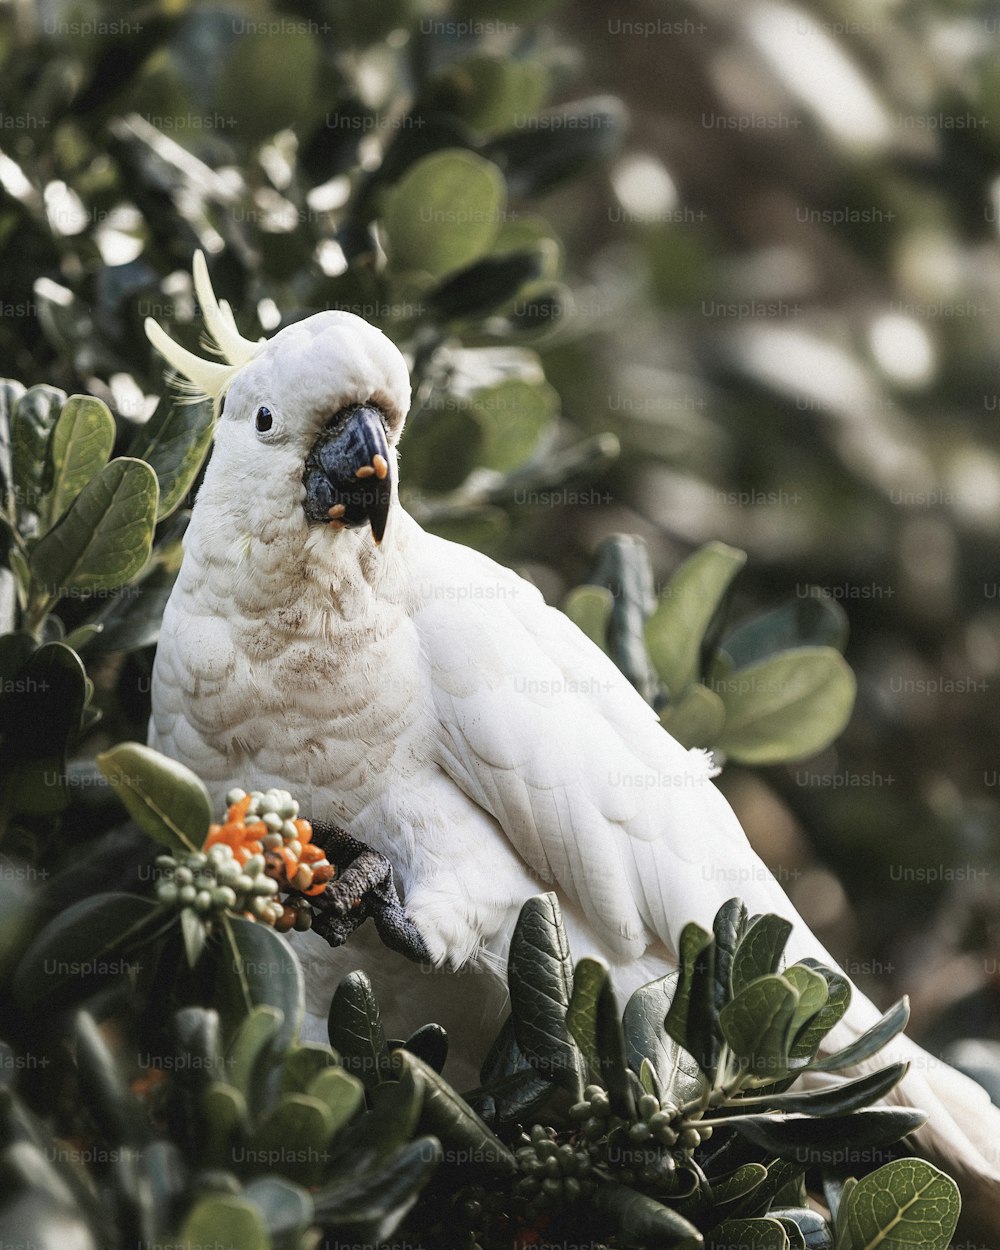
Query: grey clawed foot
point(363, 887)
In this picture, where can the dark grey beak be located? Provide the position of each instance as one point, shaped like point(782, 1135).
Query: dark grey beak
point(348, 473)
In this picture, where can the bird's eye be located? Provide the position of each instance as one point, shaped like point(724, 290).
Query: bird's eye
point(263, 420)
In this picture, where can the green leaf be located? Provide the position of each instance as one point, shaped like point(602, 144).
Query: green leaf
point(85, 946)
point(429, 1043)
point(813, 1229)
point(392, 1119)
point(225, 1122)
point(490, 93)
point(465, 1139)
point(174, 443)
point(811, 1141)
point(342, 1093)
point(643, 1221)
point(443, 447)
point(34, 419)
point(10, 393)
point(813, 993)
point(838, 1000)
point(613, 1066)
point(838, 1099)
point(302, 1063)
point(762, 1233)
point(562, 144)
point(589, 977)
point(871, 1041)
point(756, 1025)
point(355, 1027)
point(106, 536)
point(163, 797)
point(813, 621)
point(225, 1223)
point(294, 1138)
point(680, 1077)
point(760, 951)
point(485, 285)
point(41, 712)
point(284, 73)
point(906, 1205)
point(366, 1207)
point(786, 708)
point(443, 213)
point(540, 977)
point(691, 998)
point(675, 631)
point(266, 968)
point(252, 1046)
point(697, 719)
point(589, 608)
point(79, 449)
point(513, 416)
point(744, 1180)
point(287, 1209)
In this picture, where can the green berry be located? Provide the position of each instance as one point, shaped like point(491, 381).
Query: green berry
point(224, 897)
point(187, 895)
point(689, 1138)
point(640, 1132)
point(648, 1106)
point(184, 876)
point(235, 796)
point(166, 892)
point(203, 900)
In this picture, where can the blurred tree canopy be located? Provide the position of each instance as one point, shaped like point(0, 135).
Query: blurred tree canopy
point(752, 249)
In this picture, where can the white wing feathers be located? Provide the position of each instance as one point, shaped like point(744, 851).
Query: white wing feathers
point(542, 730)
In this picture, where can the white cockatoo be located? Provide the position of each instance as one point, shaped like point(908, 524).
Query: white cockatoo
point(427, 700)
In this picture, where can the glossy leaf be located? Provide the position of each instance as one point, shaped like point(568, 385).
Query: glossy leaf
point(811, 1141)
point(163, 797)
point(870, 1042)
point(79, 449)
point(266, 971)
point(443, 213)
point(787, 707)
point(760, 951)
point(906, 1205)
point(589, 978)
point(762, 1233)
point(645, 1038)
point(85, 946)
point(696, 719)
point(756, 1025)
point(106, 536)
point(174, 443)
point(815, 620)
point(642, 1220)
point(540, 977)
point(675, 631)
point(464, 1137)
point(225, 1223)
point(589, 608)
point(355, 1027)
point(34, 419)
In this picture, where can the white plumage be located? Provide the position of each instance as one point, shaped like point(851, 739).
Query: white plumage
point(429, 701)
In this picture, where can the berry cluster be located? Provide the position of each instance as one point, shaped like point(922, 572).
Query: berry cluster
point(263, 848)
point(554, 1175)
point(647, 1149)
point(215, 881)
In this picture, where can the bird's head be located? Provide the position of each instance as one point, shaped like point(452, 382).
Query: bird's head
point(309, 418)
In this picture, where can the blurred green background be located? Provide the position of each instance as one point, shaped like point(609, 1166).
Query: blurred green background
point(685, 271)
